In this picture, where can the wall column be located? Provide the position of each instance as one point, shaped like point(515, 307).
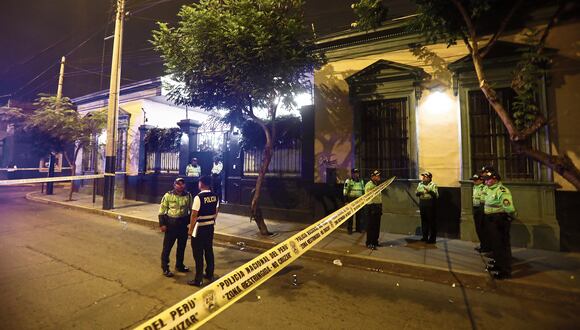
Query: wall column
point(142, 152)
point(188, 144)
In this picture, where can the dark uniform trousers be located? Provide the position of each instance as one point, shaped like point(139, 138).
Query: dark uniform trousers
point(202, 243)
point(359, 222)
point(479, 221)
point(498, 226)
point(374, 211)
point(176, 230)
point(202, 246)
point(216, 184)
point(428, 219)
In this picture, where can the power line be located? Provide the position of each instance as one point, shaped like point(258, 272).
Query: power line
point(58, 61)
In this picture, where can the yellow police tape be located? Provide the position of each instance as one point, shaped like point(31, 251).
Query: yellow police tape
point(52, 179)
point(200, 307)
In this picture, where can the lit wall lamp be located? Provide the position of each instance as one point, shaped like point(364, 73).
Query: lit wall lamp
point(438, 101)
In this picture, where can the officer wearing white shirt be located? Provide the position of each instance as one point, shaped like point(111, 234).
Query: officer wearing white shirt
point(201, 229)
point(216, 177)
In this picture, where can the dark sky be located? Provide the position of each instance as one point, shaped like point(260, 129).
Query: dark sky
point(36, 33)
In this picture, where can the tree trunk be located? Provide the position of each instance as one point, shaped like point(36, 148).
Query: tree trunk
point(256, 213)
point(562, 165)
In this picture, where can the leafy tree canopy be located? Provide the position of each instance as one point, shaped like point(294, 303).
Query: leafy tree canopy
point(62, 124)
point(288, 128)
point(237, 54)
point(163, 139)
point(439, 20)
point(370, 14)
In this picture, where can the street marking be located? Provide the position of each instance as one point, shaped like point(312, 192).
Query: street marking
point(54, 179)
point(203, 305)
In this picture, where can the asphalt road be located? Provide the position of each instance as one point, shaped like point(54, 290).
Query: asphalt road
point(65, 269)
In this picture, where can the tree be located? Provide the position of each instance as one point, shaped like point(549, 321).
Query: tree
point(370, 14)
point(63, 127)
point(240, 55)
point(471, 22)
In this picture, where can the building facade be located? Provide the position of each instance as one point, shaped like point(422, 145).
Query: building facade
point(382, 102)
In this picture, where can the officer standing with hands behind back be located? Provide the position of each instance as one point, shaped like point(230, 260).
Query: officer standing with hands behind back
point(173, 219)
point(374, 212)
point(428, 193)
point(201, 229)
point(478, 196)
point(354, 187)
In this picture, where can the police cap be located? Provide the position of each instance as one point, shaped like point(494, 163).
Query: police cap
point(427, 174)
point(376, 173)
point(491, 174)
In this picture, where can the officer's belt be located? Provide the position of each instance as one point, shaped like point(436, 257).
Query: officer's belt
point(205, 217)
point(205, 223)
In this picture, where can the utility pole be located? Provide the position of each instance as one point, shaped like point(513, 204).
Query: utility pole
point(113, 110)
point(52, 158)
point(60, 79)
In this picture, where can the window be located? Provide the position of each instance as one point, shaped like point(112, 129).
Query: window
point(490, 143)
point(385, 137)
point(121, 158)
point(90, 153)
point(286, 161)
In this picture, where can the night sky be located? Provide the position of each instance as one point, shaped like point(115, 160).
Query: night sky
point(35, 34)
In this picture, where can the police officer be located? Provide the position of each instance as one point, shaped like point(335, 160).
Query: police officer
point(478, 196)
point(499, 210)
point(193, 169)
point(428, 193)
point(354, 187)
point(374, 212)
point(173, 219)
point(201, 229)
point(193, 173)
point(216, 177)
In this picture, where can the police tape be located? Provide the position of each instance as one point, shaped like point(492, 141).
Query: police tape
point(53, 179)
point(203, 305)
point(14, 169)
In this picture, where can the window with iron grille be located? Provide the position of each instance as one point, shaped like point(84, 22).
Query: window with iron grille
point(385, 138)
point(121, 158)
point(286, 161)
point(490, 142)
point(90, 154)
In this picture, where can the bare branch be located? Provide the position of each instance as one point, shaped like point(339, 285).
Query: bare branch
point(468, 21)
point(501, 111)
point(536, 125)
point(466, 41)
point(551, 23)
point(501, 28)
point(562, 165)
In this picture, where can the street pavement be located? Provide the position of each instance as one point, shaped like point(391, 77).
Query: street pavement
point(65, 268)
point(535, 272)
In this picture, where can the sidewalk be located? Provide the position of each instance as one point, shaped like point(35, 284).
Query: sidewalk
point(536, 273)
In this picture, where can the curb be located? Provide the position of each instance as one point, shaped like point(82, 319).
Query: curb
point(461, 279)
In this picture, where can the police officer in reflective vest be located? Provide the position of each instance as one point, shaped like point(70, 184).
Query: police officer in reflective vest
point(173, 219)
point(374, 212)
point(499, 211)
point(478, 197)
point(201, 229)
point(354, 187)
point(428, 193)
